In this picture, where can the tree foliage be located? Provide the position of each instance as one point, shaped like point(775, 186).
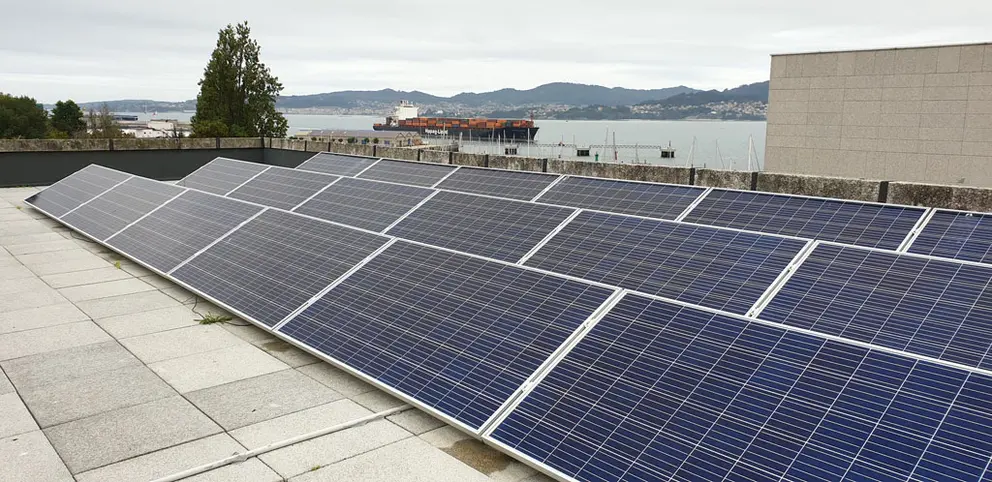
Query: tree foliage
point(67, 118)
point(22, 118)
point(237, 92)
point(103, 126)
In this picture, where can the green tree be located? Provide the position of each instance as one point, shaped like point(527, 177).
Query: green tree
point(22, 118)
point(67, 117)
point(237, 92)
point(103, 126)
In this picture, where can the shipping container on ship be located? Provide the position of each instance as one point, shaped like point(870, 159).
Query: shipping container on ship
point(407, 118)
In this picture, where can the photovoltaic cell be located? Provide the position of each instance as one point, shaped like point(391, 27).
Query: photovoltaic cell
point(276, 262)
point(458, 333)
point(847, 222)
point(508, 184)
point(337, 164)
point(180, 228)
point(413, 173)
point(718, 268)
point(365, 204)
point(495, 228)
point(221, 175)
point(958, 235)
point(282, 188)
point(124, 204)
point(77, 188)
point(651, 200)
point(657, 391)
point(936, 308)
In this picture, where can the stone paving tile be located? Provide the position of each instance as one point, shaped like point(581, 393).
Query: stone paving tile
point(377, 400)
point(82, 264)
point(253, 470)
point(244, 330)
point(35, 259)
point(167, 461)
point(9, 287)
point(287, 353)
point(30, 342)
point(205, 370)
point(409, 460)
point(17, 228)
point(105, 290)
point(90, 276)
point(128, 432)
point(497, 465)
point(90, 395)
point(39, 296)
point(180, 294)
point(135, 270)
point(11, 214)
point(14, 272)
point(125, 304)
point(299, 423)
point(14, 416)
point(261, 398)
point(36, 459)
point(337, 379)
point(416, 421)
point(157, 281)
point(29, 239)
point(136, 324)
point(68, 364)
point(32, 318)
point(44, 247)
point(300, 458)
point(5, 386)
point(180, 342)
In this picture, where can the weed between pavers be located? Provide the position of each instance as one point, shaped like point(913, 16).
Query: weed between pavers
point(210, 318)
point(315, 468)
point(117, 264)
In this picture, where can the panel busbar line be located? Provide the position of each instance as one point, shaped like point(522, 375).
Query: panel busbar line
point(221, 175)
point(365, 204)
point(282, 188)
point(403, 172)
point(718, 268)
point(956, 234)
point(181, 228)
point(117, 208)
point(661, 201)
point(657, 390)
point(848, 222)
point(518, 185)
point(76, 189)
point(276, 262)
point(917, 304)
point(502, 229)
point(337, 164)
point(458, 333)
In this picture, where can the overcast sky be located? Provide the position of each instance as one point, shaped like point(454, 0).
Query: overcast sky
point(91, 50)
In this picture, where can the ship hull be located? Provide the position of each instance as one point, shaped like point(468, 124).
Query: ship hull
point(468, 133)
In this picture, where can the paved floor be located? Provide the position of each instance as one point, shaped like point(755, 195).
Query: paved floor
point(106, 375)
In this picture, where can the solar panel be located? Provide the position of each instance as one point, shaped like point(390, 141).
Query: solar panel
point(413, 173)
point(77, 188)
point(718, 268)
point(124, 204)
point(658, 391)
point(931, 307)
point(458, 333)
point(276, 262)
point(507, 184)
point(282, 188)
point(337, 164)
point(495, 228)
point(848, 222)
point(365, 204)
point(662, 201)
point(221, 175)
point(956, 234)
point(179, 229)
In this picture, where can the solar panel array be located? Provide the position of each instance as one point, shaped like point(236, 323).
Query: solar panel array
point(956, 234)
point(661, 201)
point(417, 174)
point(120, 206)
point(222, 175)
point(282, 188)
point(863, 364)
point(509, 184)
point(337, 164)
point(72, 191)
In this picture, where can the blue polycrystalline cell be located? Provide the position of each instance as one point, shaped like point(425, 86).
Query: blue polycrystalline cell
point(458, 333)
point(413, 173)
point(659, 391)
point(847, 222)
point(221, 176)
point(496, 228)
point(282, 188)
point(936, 308)
point(365, 204)
point(337, 164)
point(120, 206)
point(269, 267)
point(77, 188)
point(958, 235)
point(718, 268)
point(177, 230)
point(660, 201)
point(508, 184)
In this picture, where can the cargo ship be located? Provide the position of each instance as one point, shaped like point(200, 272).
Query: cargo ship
point(407, 118)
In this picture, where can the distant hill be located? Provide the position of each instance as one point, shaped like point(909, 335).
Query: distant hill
point(757, 92)
point(354, 98)
point(139, 105)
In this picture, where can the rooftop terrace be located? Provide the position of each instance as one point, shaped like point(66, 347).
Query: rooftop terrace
point(108, 375)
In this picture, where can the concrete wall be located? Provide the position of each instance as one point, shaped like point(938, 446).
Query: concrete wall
point(352, 149)
point(398, 153)
point(440, 157)
point(726, 179)
point(635, 172)
point(916, 114)
point(822, 186)
point(517, 163)
point(463, 159)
